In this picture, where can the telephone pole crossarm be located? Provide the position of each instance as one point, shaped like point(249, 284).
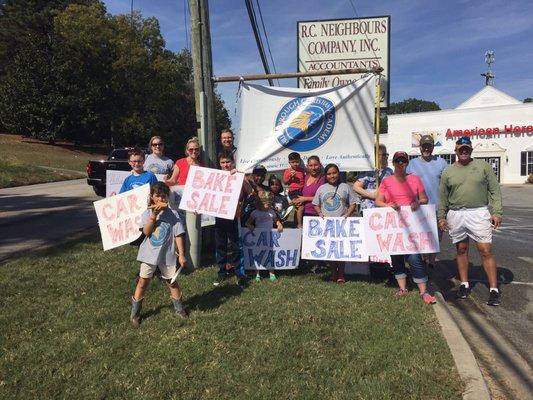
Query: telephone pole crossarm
point(377, 71)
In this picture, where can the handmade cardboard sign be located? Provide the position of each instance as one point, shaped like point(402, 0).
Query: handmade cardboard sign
point(401, 232)
point(119, 216)
point(270, 249)
point(334, 239)
point(212, 192)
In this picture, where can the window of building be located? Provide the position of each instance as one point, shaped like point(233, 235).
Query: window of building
point(526, 163)
point(450, 158)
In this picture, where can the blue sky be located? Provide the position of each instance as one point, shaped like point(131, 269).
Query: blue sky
point(437, 47)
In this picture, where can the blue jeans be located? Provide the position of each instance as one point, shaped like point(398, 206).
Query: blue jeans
point(226, 235)
point(418, 267)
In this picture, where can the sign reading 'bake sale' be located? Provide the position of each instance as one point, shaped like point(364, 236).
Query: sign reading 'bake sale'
point(212, 192)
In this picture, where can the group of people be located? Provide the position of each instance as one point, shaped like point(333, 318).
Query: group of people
point(466, 194)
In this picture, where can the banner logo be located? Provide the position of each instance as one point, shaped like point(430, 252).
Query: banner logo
point(305, 123)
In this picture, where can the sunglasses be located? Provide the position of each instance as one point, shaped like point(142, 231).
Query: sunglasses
point(401, 161)
point(195, 150)
point(158, 144)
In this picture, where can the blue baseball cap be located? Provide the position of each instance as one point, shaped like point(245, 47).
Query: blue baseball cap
point(463, 142)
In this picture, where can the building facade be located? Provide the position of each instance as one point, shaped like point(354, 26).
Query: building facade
point(500, 126)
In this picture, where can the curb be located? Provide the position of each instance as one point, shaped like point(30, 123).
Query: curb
point(465, 362)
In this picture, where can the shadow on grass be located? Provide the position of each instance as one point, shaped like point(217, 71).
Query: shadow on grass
point(214, 298)
point(83, 237)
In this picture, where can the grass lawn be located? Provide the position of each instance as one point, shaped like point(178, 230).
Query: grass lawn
point(23, 162)
point(65, 333)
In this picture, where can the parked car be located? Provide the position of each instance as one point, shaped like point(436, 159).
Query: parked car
point(97, 169)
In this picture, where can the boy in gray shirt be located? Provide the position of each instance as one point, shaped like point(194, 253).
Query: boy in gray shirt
point(164, 235)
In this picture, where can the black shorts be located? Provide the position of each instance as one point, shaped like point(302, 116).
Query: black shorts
point(294, 194)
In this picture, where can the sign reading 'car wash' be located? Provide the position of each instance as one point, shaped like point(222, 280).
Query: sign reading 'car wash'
point(343, 44)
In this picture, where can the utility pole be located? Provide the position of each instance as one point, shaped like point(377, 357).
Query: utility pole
point(205, 108)
point(202, 65)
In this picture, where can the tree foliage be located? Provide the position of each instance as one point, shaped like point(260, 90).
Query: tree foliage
point(75, 72)
point(404, 107)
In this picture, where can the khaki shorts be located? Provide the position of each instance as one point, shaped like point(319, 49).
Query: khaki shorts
point(147, 270)
point(470, 222)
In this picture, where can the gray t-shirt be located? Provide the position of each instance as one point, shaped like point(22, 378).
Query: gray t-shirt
point(160, 247)
point(263, 219)
point(158, 165)
point(334, 201)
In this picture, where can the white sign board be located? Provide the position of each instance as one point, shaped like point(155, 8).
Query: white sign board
point(401, 232)
point(334, 239)
point(336, 124)
point(212, 192)
point(270, 249)
point(119, 216)
point(344, 44)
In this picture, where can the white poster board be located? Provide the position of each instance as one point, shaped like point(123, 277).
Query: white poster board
point(334, 239)
point(401, 232)
point(212, 192)
point(119, 216)
point(270, 249)
point(344, 44)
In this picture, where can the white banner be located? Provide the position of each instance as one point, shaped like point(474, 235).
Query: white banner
point(334, 239)
point(119, 216)
point(270, 249)
point(336, 124)
point(342, 44)
point(212, 192)
point(114, 180)
point(401, 232)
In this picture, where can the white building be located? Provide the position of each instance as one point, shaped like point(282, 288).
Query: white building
point(500, 126)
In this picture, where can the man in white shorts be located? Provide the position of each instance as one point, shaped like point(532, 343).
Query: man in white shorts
point(470, 207)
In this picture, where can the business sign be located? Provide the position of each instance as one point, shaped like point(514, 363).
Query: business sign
point(119, 216)
point(401, 232)
point(334, 239)
point(270, 249)
point(212, 192)
point(344, 44)
point(336, 124)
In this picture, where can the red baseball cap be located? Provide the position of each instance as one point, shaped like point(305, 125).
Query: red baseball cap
point(400, 154)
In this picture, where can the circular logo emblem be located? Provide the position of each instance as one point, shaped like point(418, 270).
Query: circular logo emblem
point(332, 202)
point(160, 233)
point(305, 123)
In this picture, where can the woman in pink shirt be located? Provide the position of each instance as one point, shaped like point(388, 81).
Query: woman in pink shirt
point(396, 191)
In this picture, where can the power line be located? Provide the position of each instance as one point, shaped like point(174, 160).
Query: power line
point(366, 34)
point(185, 10)
point(266, 37)
point(253, 22)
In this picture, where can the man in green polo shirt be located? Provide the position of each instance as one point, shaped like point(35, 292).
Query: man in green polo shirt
point(470, 206)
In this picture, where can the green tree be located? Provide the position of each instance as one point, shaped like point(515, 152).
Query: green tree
point(410, 105)
point(90, 77)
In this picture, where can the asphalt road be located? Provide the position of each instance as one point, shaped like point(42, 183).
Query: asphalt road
point(39, 215)
point(512, 322)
